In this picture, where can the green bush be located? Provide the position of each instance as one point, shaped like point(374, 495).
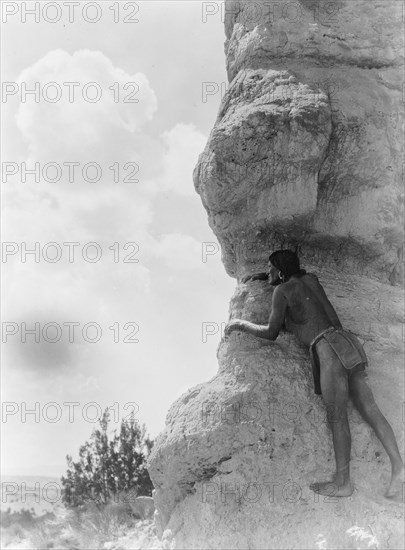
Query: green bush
point(109, 465)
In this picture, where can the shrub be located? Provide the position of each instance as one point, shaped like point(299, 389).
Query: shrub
point(109, 465)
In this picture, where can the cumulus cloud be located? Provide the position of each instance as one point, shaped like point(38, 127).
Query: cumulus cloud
point(104, 212)
point(105, 133)
point(82, 127)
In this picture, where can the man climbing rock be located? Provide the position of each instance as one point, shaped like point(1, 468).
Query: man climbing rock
point(338, 362)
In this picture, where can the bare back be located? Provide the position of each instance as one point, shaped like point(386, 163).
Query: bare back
point(308, 309)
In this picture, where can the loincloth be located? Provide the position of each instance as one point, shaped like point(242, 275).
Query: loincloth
point(346, 346)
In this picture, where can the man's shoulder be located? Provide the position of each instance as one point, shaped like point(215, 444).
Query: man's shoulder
point(313, 275)
point(280, 290)
point(294, 286)
point(304, 276)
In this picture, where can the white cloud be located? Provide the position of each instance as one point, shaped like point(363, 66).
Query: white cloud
point(179, 251)
point(82, 128)
point(82, 212)
point(104, 212)
point(183, 143)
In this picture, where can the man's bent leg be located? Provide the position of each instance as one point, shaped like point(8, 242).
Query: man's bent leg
point(334, 385)
point(363, 400)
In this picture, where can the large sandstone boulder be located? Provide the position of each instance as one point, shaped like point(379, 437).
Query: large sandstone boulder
point(305, 152)
point(307, 146)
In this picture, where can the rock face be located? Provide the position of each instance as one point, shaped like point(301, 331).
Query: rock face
point(307, 146)
point(306, 151)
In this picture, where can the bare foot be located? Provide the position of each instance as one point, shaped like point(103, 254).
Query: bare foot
point(396, 489)
point(332, 489)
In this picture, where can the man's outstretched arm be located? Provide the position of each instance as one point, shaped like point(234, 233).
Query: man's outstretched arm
point(256, 277)
point(270, 331)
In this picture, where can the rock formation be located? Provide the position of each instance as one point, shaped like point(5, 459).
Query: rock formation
point(306, 152)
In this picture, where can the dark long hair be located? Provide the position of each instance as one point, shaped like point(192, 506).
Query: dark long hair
point(287, 262)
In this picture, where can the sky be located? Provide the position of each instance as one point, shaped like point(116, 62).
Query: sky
point(116, 305)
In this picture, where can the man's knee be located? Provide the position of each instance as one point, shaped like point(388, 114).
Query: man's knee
point(336, 412)
point(360, 391)
point(369, 408)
